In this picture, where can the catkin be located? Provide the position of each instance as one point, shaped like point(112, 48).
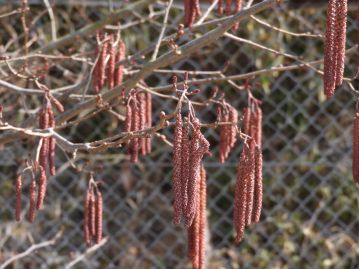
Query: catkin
point(198, 147)
point(110, 76)
point(32, 198)
point(185, 153)
point(196, 232)
point(42, 188)
point(240, 194)
point(92, 215)
point(192, 11)
point(86, 224)
point(177, 165)
point(44, 124)
point(340, 34)
point(250, 178)
point(334, 49)
point(203, 220)
point(142, 115)
point(52, 143)
point(355, 166)
point(18, 188)
point(258, 186)
point(98, 216)
point(148, 119)
point(135, 124)
point(120, 56)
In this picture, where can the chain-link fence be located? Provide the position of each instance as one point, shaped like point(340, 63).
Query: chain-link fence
point(310, 211)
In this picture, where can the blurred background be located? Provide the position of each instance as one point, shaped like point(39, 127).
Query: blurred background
point(310, 216)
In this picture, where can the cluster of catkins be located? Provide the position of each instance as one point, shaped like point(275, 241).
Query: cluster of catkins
point(138, 117)
point(33, 203)
point(334, 50)
point(192, 9)
point(189, 183)
point(227, 132)
point(46, 159)
point(107, 69)
point(93, 214)
point(248, 189)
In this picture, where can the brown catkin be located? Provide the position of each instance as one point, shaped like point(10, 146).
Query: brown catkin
point(258, 186)
point(187, 11)
point(128, 119)
point(110, 76)
point(177, 165)
point(185, 164)
point(142, 115)
point(42, 188)
point(120, 56)
point(86, 226)
point(355, 166)
point(329, 58)
point(32, 198)
point(250, 167)
point(135, 124)
point(52, 143)
point(198, 147)
point(220, 7)
point(194, 241)
point(102, 65)
point(340, 40)
point(18, 188)
point(148, 120)
point(240, 194)
point(92, 215)
point(44, 124)
point(203, 220)
point(247, 121)
point(228, 7)
point(98, 216)
point(232, 130)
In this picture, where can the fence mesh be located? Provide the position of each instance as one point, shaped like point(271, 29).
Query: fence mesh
point(310, 204)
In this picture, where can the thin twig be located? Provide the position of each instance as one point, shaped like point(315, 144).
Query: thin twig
point(87, 252)
point(155, 52)
point(31, 249)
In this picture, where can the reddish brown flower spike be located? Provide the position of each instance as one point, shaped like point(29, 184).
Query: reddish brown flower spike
point(92, 216)
point(258, 187)
point(42, 188)
point(355, 166)
point(250, 178)
point(340, 34)
point(18, 188)
point(111, 64)
point(98, 216)
point(177, 165)
point(86, 226)
point(32, 207)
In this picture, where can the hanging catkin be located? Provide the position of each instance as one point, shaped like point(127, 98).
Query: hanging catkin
point(120, 56)
point(177, 165)
point(197, 230)
point(198, 147)
point(86, 223)
point(18, 189)
point(52, 143)
point(340, 34)
point(110, 76)
point(192, 11)
point(355, 166)
point(98, 216)
point(334, 49)
point(32, 198)
point(42, 188)
point(258, 186)
point(203, 219)
point(249, 177)
point(185, 163)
